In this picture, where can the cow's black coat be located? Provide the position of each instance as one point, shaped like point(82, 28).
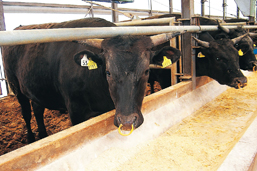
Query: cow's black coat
point(50, 75)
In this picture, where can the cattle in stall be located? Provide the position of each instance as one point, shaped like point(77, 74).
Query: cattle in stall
point(225, 71)
point(247, 60)
point(220, 62)
point(87, 78)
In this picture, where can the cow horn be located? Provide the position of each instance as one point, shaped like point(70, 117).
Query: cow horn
point(92, 42)
point(162, 38)
point(237, 39)
point(202, 43)
point(252, 34)
point(226, 30)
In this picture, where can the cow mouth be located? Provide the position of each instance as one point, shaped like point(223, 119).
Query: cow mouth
point(240, 85)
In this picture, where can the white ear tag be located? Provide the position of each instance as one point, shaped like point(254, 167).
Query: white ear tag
point(84, 61)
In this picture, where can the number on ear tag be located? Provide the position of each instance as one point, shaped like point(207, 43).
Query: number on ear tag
point(200, 55)
point(88, 62)
point(84, 61)
point(240, 52)
point(91, 64)
point(166, 62)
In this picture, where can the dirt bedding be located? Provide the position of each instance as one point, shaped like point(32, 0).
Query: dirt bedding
point(13, 131)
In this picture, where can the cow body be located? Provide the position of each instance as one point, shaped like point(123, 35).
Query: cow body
point(51, 76)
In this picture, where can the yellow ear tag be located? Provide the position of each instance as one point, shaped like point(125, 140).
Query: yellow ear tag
point(200, 55)
point(166, 62)
point(91, 64)
point(240, 52)
point(254, 45)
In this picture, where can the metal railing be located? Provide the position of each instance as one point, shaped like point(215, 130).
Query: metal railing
point(17, 37)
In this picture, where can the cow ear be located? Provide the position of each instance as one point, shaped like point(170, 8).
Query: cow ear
point(88, 59)
point(167, 53)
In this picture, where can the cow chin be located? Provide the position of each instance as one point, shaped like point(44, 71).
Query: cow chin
point(135, 119)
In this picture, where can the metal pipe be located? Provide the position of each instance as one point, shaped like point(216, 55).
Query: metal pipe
point(115, 16)
point(224, 5)
point(146, 22)
point(150, 8)
point(202, 8)
point(21, 7)
point(170, 6)
point(68, 34)
point(153, 66)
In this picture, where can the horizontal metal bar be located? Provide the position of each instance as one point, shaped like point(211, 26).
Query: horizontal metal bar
point(146, 22)
point(24, 7)
point(153, 66)
point(68, 34)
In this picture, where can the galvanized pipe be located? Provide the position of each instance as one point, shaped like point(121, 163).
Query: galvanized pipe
point(146, 22)
point(16, 37)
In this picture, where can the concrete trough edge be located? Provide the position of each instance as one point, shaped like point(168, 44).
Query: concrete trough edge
point(179, 98)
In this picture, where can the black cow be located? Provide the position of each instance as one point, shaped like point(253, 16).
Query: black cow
point(247, 60)
point(221, 62)
point(114, 76)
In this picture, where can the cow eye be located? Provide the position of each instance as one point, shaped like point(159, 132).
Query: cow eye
point(108, 73)
point(147, 71)
point(218, 59)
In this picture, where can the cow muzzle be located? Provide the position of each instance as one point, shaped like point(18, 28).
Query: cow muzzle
point(128, 122)
point(240, 82)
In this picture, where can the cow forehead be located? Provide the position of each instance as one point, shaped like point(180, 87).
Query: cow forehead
point(127, 52)
point(128, 62)
point(127, 43)
point(224, 48)
point(247, 40)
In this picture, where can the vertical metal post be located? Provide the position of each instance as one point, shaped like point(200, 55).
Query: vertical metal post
point(224, 5)
point(209, 8)
point(2, 22)
point(174, 65)
point(188, 58)
point(237, 12)
point(150, 7)
point(115, 17)
point(170, 6)
point(92, 11)
point(202, 7)
point(2, 28)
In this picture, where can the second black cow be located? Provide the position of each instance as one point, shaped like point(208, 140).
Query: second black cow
point(87, 80)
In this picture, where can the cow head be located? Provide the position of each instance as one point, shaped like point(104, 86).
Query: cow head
point(247, 60)
point(126, 61)
point(221, 61)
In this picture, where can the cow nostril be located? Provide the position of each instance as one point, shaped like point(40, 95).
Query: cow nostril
point(134, 122)
point(119, 120)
